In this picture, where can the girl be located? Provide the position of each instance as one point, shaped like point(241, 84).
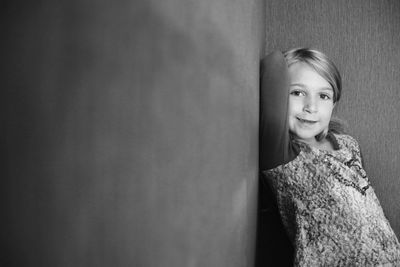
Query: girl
point(330, 212)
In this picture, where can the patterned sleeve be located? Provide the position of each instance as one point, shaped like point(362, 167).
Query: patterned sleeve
point(357, 150)
point(361, 156)
point(274, 92)
point(358, 163)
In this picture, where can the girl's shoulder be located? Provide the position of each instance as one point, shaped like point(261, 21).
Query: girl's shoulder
point(346, 141)
point(345, 137)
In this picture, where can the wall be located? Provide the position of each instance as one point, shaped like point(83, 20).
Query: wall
point(362, 39)
point(130, 131)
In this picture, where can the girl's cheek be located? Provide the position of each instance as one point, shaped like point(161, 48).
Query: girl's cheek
point(294, 106)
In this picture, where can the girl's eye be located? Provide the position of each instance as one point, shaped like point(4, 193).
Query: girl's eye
point(296, 93)
point(325, 96)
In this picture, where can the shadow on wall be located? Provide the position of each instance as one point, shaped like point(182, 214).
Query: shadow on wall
point(131, 133)
point(273, 245)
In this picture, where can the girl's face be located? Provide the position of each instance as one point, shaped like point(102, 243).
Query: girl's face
point(310, 102)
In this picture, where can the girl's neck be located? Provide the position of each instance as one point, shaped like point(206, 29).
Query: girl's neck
point(324, 144)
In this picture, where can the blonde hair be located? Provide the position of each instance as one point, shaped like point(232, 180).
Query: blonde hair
point(327, 69)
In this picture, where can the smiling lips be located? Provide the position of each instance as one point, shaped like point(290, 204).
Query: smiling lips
point(306, 121)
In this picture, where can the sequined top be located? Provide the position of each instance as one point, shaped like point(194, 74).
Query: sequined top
point(330, 211)
point(327, 205)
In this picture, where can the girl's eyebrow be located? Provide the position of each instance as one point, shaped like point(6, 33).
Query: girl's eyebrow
point(303, 85)
point(297, 84)
point(326, 88)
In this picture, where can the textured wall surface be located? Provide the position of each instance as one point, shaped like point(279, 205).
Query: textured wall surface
point(130, 132)
point(362, 37)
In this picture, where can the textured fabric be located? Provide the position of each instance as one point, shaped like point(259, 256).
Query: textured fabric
point(329, 209)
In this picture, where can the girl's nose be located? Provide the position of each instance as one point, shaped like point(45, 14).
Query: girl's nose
point(310, 105)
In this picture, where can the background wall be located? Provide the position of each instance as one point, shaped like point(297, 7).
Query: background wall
point(130, 132)
point(362, 37)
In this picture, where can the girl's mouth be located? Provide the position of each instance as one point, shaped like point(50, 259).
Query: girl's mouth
point(306, 121)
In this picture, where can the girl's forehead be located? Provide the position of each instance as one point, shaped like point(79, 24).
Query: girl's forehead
point(303, 74)
point(301, 68)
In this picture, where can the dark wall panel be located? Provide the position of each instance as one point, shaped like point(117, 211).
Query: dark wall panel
point(362, 37)
point(131, 132)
